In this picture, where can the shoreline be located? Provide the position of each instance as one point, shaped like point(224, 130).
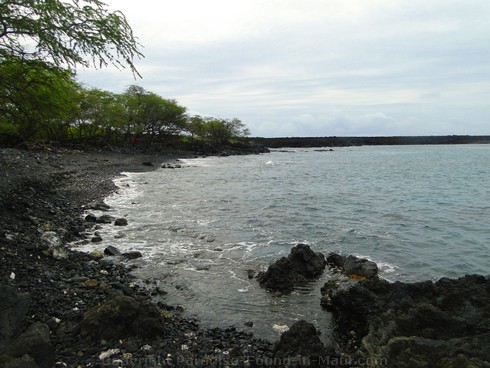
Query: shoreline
point(44, 192)
point(49, 192)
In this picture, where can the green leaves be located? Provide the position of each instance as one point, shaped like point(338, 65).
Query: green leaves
point(66, 33)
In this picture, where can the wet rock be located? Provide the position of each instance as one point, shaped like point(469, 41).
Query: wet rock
point(132, 255)
point(96, 239)
point(112, 251)
point(34, 342)
point(52, 245)
point(301, 344)
point(301, 265)
point(121, 222)
point(423, 324)
point(360, 267)
point(13, 309)
point(100, 206)
point(120, 318)
point(353, 266)
point(105, 219)
point(91, 218)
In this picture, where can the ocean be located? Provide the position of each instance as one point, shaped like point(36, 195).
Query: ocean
point(419, 212)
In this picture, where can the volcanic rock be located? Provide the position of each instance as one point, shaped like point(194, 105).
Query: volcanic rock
point(122, 317)
point(301, 265)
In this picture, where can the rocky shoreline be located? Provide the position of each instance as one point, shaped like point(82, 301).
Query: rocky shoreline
point(76, 311)
point(70, 309)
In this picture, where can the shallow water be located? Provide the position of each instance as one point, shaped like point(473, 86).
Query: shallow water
point(420, 212)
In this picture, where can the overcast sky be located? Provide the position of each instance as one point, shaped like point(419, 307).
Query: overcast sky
point(316, 67)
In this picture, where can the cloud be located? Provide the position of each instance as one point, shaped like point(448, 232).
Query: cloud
point(317, 67)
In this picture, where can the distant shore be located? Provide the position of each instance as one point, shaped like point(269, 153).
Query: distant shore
point(368, 141)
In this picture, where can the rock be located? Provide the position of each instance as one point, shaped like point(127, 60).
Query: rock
point(121, 222)
point(301, 344)
point(132, 255)
point(100, 206)
point(122, 317)
point(148, 163)
point(250, 274)
point(353, 266)
point(52, 245)
point(119, 235)
point(24, 361)
point(13, 309)
point(91, 218)
point(97, 254)
point(360, 267)
point(302, 264)
point(35, 343)
point(424, 324)
point(105, 219)
point(249, 324)
point(96, 239)
point(335, 260)
point(90, 284)
point(112, 251)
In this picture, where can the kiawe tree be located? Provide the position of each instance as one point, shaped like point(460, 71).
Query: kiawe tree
point(41, 44)
point(66, 33)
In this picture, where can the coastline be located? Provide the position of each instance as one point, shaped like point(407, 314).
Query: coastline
point(48, 192)
point(79, 298)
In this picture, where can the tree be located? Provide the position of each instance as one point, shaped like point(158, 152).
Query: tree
point(151, 115)
point(217, 132)
point(66, 33)
point(36, 99)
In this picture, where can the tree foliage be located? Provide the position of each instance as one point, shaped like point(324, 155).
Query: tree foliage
point(66, 33)
point(35, 97)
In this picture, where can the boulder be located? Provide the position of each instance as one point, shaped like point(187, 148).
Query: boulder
point(360, 267)
point(100, 206)
point(52, 245)
point(105, 219)
point(112, 251)
point(91, 218)
point(121, 222)
point(122, 317)
point(35, 343)
point(302, 264)
point(132, 254)
point(13, 309)
point(424, 324)
point(301, 344)
point(353, 266)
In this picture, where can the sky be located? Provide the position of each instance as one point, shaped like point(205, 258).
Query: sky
point(316, 67)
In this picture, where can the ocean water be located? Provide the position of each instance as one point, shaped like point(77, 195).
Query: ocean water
point(420, 212)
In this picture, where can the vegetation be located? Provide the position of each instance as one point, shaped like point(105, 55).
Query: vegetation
point(41, 44)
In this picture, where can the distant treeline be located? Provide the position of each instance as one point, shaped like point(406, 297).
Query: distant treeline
point(362, 141)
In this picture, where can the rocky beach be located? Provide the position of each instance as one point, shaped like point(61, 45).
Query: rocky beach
point(63, 308)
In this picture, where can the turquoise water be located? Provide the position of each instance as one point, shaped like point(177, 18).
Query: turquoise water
point(420, 212)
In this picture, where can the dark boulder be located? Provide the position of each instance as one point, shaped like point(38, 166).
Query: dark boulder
point(122, 317)
point(13, 309)
point(121, 222)
point(302, 264)
point(100, 206)
point(426, 324)
point(112, 251)
point(35, 343)
point(91, 218)
point(301, 344)
point(353, 266)
point(132, 255)
point(105, 219)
